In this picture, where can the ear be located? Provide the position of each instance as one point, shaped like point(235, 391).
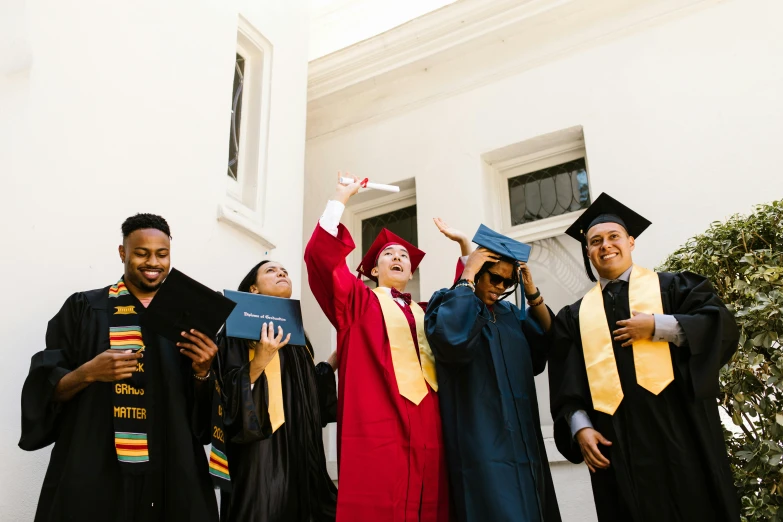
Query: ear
point(631, 242)
point(253, 289)
point(122, 253)
point(375, 271)
point(411, 277)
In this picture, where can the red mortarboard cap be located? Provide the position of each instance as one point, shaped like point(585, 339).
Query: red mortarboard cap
point(384, 240)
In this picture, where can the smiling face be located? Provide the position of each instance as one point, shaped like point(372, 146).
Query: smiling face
point(490, 292)
point(609, 248)
point(272, 279)
point(393, 268)
point(145, 254)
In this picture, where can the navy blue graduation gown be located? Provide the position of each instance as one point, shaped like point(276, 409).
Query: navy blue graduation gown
point(498, 469)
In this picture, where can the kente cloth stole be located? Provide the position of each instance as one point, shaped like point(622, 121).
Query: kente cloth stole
point(410, 374)
point(218, 461)
point(131, 424)
point(274, 383)
point(652, 359)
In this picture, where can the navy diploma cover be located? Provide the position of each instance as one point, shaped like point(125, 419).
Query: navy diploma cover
point(253, 310)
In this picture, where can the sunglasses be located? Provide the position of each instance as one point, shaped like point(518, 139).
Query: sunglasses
point(498, 280)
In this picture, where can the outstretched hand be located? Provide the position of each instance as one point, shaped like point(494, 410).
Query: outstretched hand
point(454, 235)
point(344, 192)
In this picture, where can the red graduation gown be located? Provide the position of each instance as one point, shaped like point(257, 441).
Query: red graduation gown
point(390, 451)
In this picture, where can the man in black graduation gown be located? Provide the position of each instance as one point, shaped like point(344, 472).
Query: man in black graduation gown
point(634, 379)
point(127, 411)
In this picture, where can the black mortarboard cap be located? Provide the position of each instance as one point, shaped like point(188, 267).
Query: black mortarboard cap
point(182, 304)
point(605, 209)
point(500, 244)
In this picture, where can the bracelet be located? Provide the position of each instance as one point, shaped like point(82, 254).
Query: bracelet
point(537, 301)
point(466, 282)
point(533, 297)
point(205, 378)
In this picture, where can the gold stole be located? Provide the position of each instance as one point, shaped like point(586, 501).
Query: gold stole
point(275, 385)
point(652, 360)
point(409, 373)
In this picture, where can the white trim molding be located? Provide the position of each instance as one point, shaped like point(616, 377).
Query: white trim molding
point(243, 204)
point(465, 45)
point(234, 214)
point(523, 158)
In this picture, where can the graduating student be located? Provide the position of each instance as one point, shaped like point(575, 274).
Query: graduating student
point(127, 411)
point(487, 352)
point(390, 449)
point(276, 400)
point(634, 379)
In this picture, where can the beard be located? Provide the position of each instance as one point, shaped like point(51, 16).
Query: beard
point(141, 282)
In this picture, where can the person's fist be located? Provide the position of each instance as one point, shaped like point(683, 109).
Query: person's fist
point(113, 365)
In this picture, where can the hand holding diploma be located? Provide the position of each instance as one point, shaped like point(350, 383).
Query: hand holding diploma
point(266, 348)
point(365, 183)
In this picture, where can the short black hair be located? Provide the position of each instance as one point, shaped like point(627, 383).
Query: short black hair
point(141, 221)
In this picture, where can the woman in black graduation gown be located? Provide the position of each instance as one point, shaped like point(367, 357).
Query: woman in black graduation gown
point(276, 474)
point(487, 353)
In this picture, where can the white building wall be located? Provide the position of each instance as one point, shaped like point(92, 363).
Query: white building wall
point(125, 108)
point(682, 121)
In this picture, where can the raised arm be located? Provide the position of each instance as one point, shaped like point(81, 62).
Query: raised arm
point(337, 290)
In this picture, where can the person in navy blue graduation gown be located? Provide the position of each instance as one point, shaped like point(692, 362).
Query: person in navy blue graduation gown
point(487, 353)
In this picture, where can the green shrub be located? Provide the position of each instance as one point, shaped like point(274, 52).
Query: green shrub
point(743, 258)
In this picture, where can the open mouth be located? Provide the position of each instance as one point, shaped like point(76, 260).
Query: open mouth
point(493, 296)
point(608, 256)
point(396, 268)
point(151, 275)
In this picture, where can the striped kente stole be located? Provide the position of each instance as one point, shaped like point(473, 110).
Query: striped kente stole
point(129, 401)
point(218, 461)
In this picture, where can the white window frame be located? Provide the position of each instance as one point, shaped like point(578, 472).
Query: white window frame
point(501, 169)
point(243, 203)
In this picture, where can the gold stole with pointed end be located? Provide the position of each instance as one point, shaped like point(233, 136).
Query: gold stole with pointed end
point(410, 374)
point(652, 360)
point(275, 384)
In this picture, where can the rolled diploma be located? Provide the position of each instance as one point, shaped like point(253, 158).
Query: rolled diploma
point(376, 186)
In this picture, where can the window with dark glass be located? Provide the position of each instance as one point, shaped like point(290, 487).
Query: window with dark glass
point(236, 115)
point(401, 222)
point(548, 192)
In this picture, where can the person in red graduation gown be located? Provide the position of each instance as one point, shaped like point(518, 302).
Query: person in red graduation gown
point(390, 448)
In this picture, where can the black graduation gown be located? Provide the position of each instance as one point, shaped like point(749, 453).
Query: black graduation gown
point(84, 481)
point(280, 476)
point(668, 458)
point(498, 468)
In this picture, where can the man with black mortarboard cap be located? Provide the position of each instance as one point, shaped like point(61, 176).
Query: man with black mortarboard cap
point(633, 378)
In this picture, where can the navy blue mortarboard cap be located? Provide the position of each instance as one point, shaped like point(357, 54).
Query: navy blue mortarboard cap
point(500, 244)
